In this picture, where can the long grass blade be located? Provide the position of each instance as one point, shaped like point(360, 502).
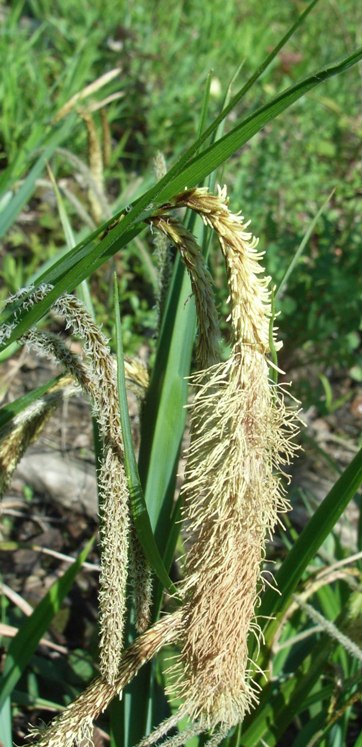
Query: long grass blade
point(23, 194)
point(229, 105)
point(216, 154)
point(296, 257)
point(83, 291)
point(5, 724)
point(163, 416)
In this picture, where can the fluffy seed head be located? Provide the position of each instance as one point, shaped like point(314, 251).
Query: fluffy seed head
point(232, 492)
point(241, 439)
point(249, 289)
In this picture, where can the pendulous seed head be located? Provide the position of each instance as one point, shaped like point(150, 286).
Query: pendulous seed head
point(96, 375)
point(241, 439)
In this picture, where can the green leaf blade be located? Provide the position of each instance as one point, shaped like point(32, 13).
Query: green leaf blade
point(310, 540)
point(138, 505)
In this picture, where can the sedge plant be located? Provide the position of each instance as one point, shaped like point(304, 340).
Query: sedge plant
point(241, 437)
point(220, 621)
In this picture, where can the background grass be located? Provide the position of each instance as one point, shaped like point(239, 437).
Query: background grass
point(281, 178)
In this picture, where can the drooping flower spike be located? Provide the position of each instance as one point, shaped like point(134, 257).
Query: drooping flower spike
point(241, 440)
point(96, 375)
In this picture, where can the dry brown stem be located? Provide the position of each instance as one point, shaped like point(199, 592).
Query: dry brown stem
point(69, 728)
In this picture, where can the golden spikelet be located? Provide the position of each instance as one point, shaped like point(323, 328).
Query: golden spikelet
point(92, 88)
point(136, 375)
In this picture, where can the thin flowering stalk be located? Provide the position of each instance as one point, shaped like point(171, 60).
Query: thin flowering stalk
point(114, 503)
point(67, 729)
point(103, 385)
point(161, 730)
point(207, 350)
point(97, 378)
point(114, 534)
point(217, 738)
point(184, 736)
point(117, 531)
point(330, 628)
